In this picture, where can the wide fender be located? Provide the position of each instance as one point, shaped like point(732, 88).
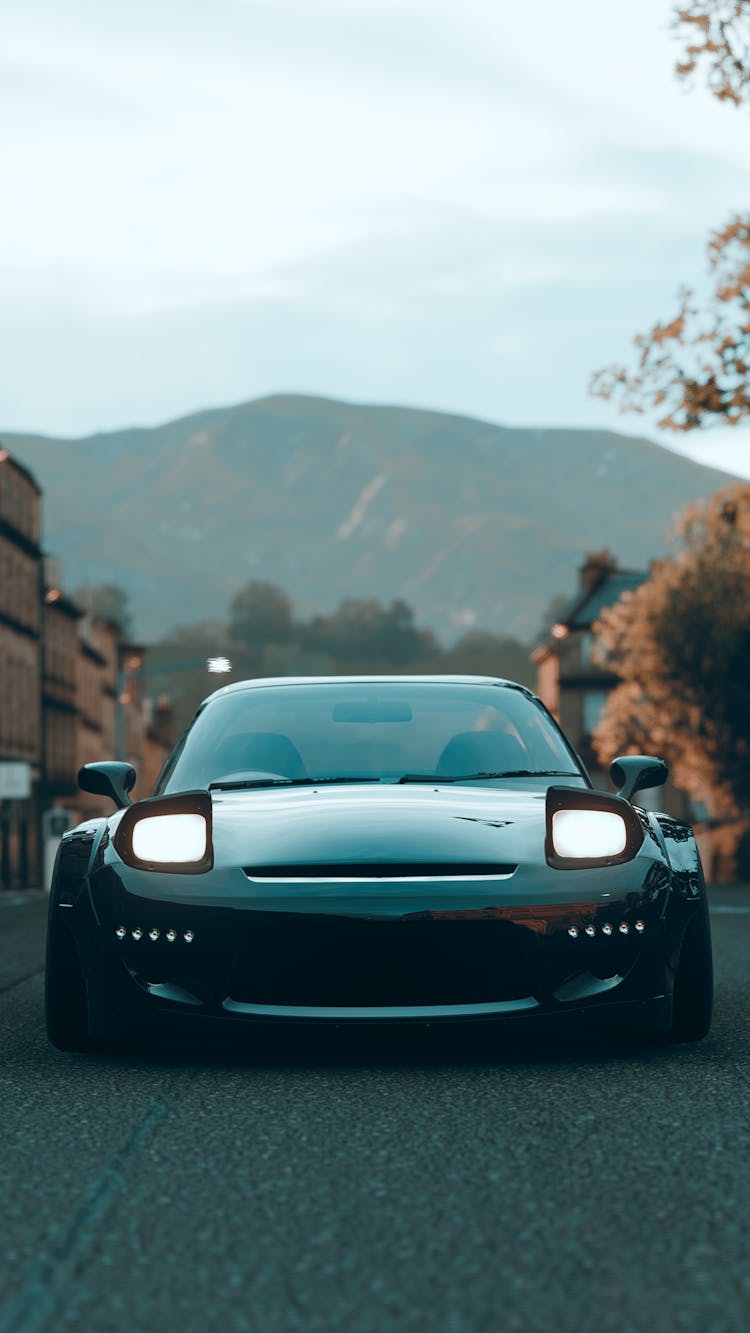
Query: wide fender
point(687, 883)
point(70, 905)
point(682, 853)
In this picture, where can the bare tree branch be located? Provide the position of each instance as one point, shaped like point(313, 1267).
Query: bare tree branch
point(716, 37)
point(695, 366)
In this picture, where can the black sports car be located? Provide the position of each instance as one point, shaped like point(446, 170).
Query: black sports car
point(401, 849)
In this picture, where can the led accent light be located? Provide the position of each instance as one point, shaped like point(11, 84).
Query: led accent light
point(573, 932)
point(153, 934)
point(188, 936)
point(606, 928)
point(640, 927)
point(172, 839)
point(591, 931)
point(171, 936)
point(623, 928)
point(137, 933)
point(121, 932)
point(588, 833)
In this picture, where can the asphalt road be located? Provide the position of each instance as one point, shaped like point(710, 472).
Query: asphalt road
point(377, 1182)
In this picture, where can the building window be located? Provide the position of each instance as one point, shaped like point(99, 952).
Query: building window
point(593, 705)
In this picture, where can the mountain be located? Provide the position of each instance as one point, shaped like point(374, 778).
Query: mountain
point(470, 522)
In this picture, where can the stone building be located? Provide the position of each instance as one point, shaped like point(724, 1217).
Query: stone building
point(60, 696)
point(21, 730)
point(62, 700)
point(114, 717)
point(96, 730)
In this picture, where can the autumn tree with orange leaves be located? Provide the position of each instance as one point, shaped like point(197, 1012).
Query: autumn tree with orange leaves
point(694, 368)
point(681, 646)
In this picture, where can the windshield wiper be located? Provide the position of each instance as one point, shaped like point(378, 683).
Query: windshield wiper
point(242, 784)
point(507, 773)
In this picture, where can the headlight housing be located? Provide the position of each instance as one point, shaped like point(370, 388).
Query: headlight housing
point(586, 829)
point(168, 833)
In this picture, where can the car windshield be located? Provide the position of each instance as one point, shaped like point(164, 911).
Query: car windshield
point(387, 731)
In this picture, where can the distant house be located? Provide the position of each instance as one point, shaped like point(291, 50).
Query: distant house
point(572, 686)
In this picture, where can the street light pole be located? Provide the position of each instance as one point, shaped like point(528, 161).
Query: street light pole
point(215, 665)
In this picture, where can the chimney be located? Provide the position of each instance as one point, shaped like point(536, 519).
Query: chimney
point(596, 566)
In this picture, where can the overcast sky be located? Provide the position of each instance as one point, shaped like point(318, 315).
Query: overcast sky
point(462, 206)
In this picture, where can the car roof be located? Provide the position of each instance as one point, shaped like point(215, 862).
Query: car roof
point(264, 681)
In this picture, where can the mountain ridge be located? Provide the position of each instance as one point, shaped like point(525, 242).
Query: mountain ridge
point(471, 522)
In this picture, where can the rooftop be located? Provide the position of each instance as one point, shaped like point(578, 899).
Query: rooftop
point(587, 606)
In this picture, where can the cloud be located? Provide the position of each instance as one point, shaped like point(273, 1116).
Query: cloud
point(469, 208)
point(36, 90)
point(405, 41)
point(502, 320)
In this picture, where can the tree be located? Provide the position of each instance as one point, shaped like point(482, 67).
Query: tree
point(681, 646)
point(482, 653)
point(695, 366)
point(108, 602)
point(261, 614)
point(264, 638)
point(364, 634)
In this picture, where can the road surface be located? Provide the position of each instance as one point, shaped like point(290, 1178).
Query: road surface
point(375, 1182)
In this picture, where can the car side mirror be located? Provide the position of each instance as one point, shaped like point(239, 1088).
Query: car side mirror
point(109, 779)
point(635, 772)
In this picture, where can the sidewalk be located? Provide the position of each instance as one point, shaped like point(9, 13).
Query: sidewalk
point(23, 923)
point(728, 895)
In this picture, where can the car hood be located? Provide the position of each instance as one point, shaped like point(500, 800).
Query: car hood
point(370, 850)
point(361, 824)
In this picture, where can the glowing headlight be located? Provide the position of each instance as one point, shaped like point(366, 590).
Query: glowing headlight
point(174, 839)
point(588, 833)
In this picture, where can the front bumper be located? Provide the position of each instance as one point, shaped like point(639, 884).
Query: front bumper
point(513, 963)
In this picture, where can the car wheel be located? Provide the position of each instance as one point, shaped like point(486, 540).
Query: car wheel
point(65, 1008)
point(694, 982)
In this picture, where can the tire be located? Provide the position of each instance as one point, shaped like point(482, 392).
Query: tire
point(65, 1007)
point(694, 982)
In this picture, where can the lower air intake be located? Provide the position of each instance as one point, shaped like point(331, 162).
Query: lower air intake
point(336, 961)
